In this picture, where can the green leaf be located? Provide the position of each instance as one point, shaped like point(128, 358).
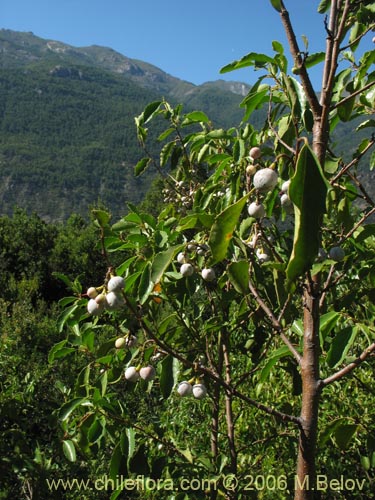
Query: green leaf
point(223, 228)
point(277, 47)
point(365, 124)
point(276, 356)
point(343, 435)
point(101, 216)
point(67, 408)
point(329, 430)
point(324, 6)
point(254, 98)
point(345, 110)
point(168, 375)
point(341, 345)
point(119, 461)
point(146, 284)
point(238, 273)
point(327, 322)
point(64, 316)
point(313, 59)
point(141, 166)
point(95, 431)
point(150, 110)
point(69, 450)
point(307, 190)
point(195, 117)
point(276, 4)
point(251, 59)
point(162, 261)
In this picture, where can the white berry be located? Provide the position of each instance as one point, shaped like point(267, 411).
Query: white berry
point(262, 256)
point(94, 307)
point(186, 269)
point(208, 274)
point(132, 374)
point(184, 389)
point(114, 301)
point(181, 258)
point(131, 341)
point(251, 169)
point(147, 372)
point(199, 391)
point(120, 343)
point(92, 292)
point(115, 283)
point(285, 186)
point(265, 179)
point(256, 210)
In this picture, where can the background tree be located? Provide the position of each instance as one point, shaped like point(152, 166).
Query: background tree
point(253, 286)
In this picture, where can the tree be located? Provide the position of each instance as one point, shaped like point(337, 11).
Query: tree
point(261, 262)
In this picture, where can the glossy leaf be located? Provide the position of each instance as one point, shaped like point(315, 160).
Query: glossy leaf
point(238, 273)
point(308, 190)
point(327, 322)
point(340, 346)
point(146, 284)
point(223, 228)
point(162, 261)
point(313, 59)
point(67, 408)
point(251, 59)
point(141, 166)
point(150, 111)
point(168, 375)
point(69, 450)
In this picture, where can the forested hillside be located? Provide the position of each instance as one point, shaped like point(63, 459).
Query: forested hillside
point(67, 133)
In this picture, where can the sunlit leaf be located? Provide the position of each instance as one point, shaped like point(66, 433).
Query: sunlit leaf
point(340, 345)
point(223, 228)
point(141, 166)
point(69, 450)
point(250, 59)
point(307, 190)
point(67, 408)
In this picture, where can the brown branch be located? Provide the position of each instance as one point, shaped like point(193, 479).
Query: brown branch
point(284, 417)
point(353, 162)
point(275, 323)
point(296, 54)
point(350, 367)
point(347, 98)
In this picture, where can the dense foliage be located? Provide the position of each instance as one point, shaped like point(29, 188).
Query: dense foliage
point(220, 344)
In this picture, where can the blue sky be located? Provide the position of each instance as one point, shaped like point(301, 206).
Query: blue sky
point(190, 40)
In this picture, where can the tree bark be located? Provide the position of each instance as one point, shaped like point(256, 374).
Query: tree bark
point(305, 481)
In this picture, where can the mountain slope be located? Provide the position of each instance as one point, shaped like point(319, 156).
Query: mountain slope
point(67, 134)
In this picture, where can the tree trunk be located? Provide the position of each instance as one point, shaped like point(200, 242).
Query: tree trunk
point(305, 481)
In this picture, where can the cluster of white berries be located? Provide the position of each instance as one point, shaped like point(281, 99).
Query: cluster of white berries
point(264, 181)
point(181, 192)
point(134, 373)
point(107, 297)
point(187, 388)
point(187, 266)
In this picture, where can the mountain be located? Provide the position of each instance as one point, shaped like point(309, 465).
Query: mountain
point(67, 136)
point(67, 133)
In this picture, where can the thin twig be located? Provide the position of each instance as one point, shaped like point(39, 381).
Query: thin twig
point(350, 367)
